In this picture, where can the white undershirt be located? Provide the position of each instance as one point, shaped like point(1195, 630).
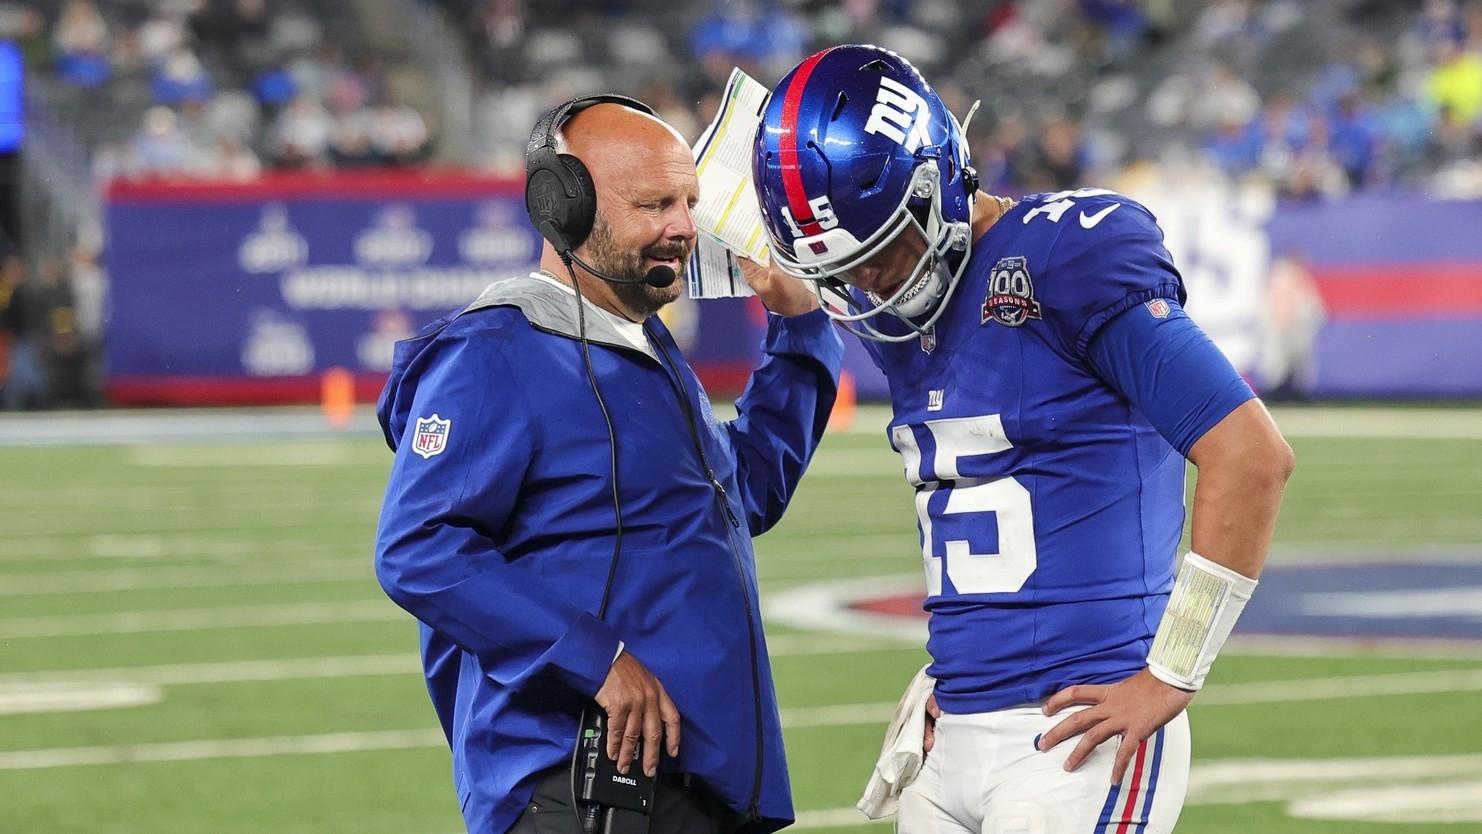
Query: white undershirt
point(631, 331)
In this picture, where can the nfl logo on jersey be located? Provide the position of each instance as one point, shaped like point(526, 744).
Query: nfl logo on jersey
point(431, 437)
point(1159, 308)
point(1010, 299)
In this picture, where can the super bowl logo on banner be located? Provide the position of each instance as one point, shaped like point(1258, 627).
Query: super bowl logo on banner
point(394, 241)
point(432, 435)
point(1010, 300)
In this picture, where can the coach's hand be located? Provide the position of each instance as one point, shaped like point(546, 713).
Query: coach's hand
point(637, 707)
point(933, 712)
point(1134, 708)
point(782, 293)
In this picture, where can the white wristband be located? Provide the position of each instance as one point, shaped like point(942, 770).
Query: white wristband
point(1207, 600)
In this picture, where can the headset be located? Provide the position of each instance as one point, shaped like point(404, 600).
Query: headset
point(559, 195)
point(562, 203)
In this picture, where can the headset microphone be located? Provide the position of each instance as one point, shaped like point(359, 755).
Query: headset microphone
point(657, 277)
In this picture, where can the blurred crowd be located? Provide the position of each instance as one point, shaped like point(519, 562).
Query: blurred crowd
point(228, 87)
point(1320, 97)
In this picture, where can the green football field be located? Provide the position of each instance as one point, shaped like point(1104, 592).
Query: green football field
point(192, 639)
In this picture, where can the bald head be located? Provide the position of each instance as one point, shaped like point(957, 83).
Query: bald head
point(615, 141)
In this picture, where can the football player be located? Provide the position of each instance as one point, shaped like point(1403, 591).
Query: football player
point(1047, 389)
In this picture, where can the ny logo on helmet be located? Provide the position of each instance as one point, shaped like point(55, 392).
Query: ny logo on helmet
point(900, 114)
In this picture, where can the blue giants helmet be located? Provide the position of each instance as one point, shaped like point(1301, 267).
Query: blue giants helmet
point(854, 149)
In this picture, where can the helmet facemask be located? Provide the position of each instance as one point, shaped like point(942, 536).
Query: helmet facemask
point(922, 297)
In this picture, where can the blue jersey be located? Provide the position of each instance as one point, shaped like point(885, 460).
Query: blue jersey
point(1050, 508)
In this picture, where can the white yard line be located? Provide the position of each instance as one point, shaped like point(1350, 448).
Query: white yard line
point(1356, 686)
point(18, 699)
point(236, 671)
point(218, 455)
point(196, 619)
point(162, 426)
point(149, 579)
point(241, 748)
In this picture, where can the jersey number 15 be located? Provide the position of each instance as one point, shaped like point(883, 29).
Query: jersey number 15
point(971, 573)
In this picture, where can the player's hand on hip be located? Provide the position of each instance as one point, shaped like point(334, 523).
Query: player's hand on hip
point(637, 708)
point(782, 293)
point(1134, 709)
point(933, 712)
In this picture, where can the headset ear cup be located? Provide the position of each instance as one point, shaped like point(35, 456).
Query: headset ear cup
point(546, 198)
point(582, 207)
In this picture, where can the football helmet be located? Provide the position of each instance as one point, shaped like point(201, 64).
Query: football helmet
point(854, 150)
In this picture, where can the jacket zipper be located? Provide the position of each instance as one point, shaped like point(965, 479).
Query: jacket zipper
point(753, 809)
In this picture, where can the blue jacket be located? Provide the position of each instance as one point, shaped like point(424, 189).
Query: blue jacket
point(497, 532)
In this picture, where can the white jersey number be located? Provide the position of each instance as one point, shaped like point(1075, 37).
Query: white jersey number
point(971, 573)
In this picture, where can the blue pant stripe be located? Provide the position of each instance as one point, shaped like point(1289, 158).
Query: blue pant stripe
point(1106, 810)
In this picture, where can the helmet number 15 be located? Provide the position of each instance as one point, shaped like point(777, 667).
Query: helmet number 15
point(971, 573)
point(823, 215)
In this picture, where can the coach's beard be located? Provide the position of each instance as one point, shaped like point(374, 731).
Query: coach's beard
point(640, 298)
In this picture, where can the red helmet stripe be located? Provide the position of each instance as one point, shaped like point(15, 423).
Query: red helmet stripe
point(792, 172)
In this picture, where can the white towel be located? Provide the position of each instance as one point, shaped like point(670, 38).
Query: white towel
point(902, 754)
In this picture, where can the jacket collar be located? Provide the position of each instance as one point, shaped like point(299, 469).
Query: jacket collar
point(549, 308)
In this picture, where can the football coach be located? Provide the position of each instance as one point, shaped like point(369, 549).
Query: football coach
point(571, 524)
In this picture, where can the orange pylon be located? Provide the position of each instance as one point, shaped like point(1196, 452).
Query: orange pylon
point(337, 397)
point(844, 404)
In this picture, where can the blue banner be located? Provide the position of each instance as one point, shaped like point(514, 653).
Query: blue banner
point(286, 278)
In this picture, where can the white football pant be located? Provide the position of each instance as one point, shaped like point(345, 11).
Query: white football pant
point(984, 776)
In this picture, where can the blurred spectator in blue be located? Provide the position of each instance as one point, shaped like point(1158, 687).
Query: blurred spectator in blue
point(81, 41)
point(160, 147)
point(181, 76)
point(1309, 171)
point(1354, 138)
point(757, 35)
point(1122, 22)
point(1234, 147)
point(1283, 129)
point(1406, 126)
point(275, 87)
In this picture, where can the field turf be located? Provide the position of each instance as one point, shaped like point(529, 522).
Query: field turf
point(192, 640)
